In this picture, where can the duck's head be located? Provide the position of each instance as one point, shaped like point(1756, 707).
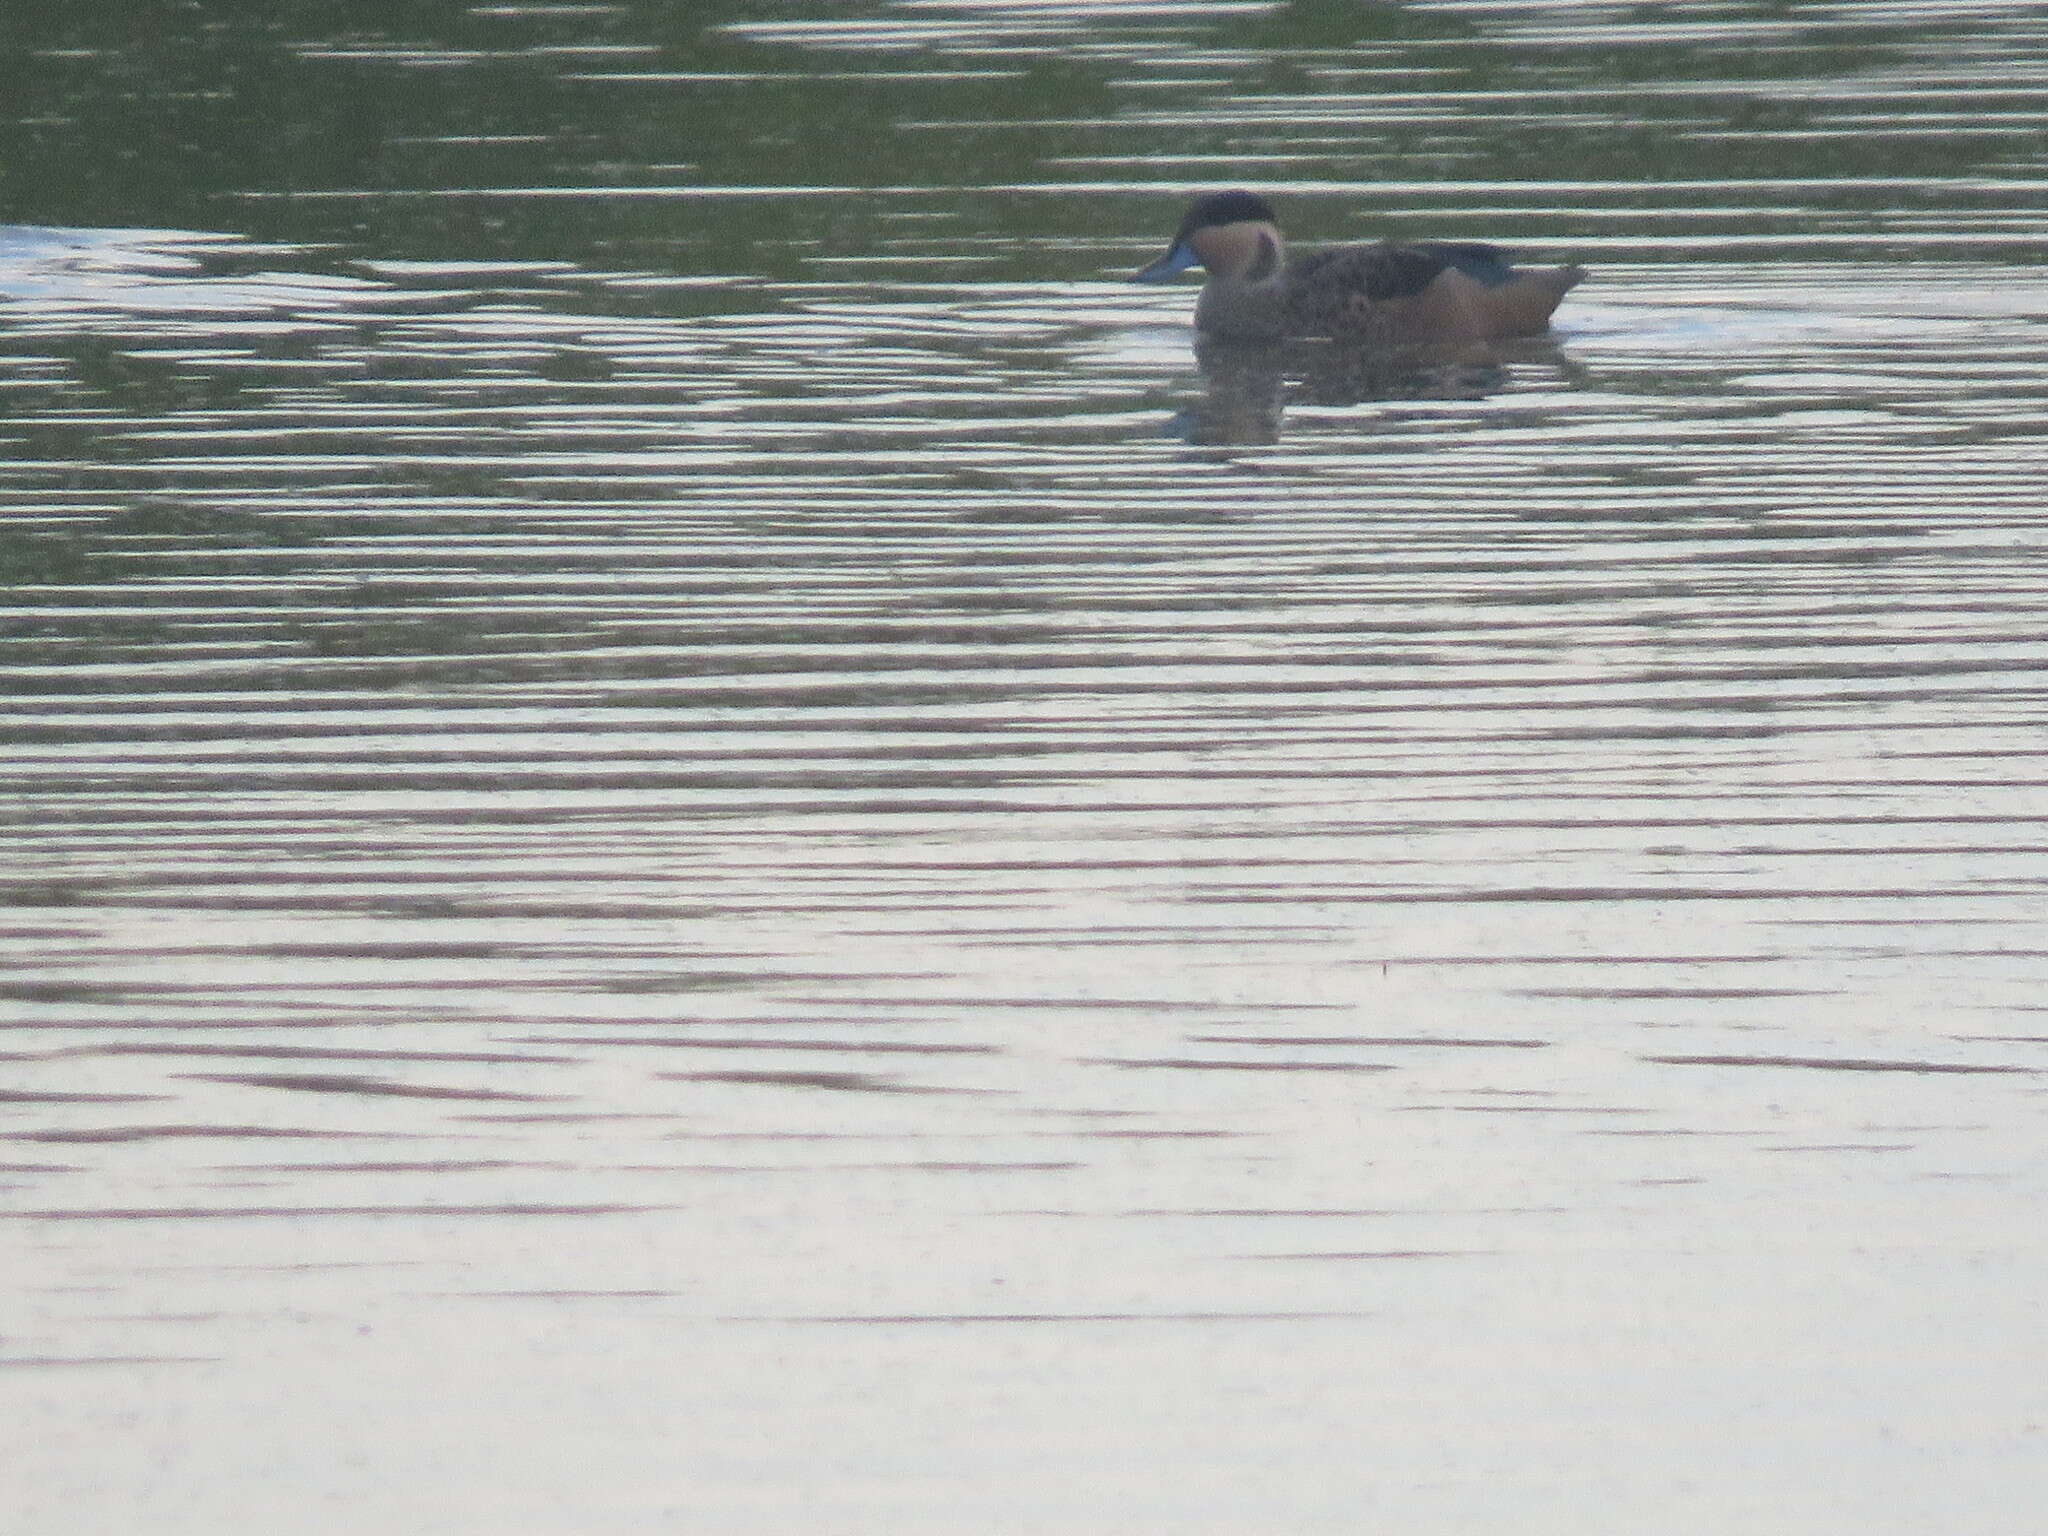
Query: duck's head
point(1232, 234)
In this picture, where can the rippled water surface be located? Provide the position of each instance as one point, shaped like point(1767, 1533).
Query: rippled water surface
point(699, 837)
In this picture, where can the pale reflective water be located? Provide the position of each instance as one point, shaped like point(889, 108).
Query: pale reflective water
point(699, 837)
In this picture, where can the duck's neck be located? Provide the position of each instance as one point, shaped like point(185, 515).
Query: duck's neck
point(1245, 295)
point(1243, 311)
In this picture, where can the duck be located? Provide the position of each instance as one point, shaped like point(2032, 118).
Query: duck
point(1432, 291)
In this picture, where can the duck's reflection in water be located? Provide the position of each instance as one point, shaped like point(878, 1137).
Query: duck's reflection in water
point(1247, 386)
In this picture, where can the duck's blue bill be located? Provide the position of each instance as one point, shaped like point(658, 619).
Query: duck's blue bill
point(1179, 259)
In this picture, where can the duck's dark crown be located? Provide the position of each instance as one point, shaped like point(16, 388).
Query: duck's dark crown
point(1226, 208)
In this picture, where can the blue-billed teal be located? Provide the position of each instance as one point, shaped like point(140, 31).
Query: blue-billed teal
point(1430, 291)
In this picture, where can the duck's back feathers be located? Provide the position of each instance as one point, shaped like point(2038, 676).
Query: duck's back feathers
point(1458, 288)
point(1379, 272)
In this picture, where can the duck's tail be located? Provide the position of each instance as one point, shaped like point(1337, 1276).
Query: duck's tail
point(1522, 306)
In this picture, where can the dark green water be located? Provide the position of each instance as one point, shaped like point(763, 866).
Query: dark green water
point(693, 837)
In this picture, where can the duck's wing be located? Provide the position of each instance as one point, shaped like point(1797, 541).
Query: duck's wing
point(1488, 264)
point(1338, 288)
point(1360, 287)
point(1390, 271)
point(1378, 272)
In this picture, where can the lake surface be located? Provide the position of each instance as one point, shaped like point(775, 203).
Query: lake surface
point(699, 838)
